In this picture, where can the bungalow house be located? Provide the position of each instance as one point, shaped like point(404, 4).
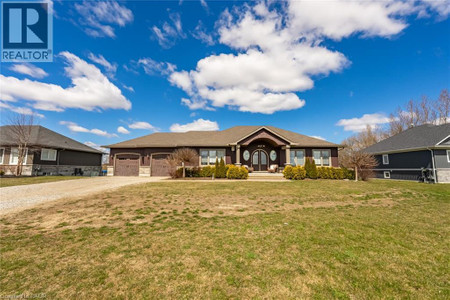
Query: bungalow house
point(257, 147)
point(48, 153)
point(407, 154)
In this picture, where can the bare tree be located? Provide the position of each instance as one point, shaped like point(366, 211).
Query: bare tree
point(362, 162)
point(21, 126)
point(183, 157)
point(443, 107)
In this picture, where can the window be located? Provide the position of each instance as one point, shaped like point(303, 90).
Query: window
point(385, 159)
point(297, 157)
point(322, 157)
point(2, 155)
point(48, 154)
point(387, 174)
point(448, 156)
point(209, 156)
point(14, 156)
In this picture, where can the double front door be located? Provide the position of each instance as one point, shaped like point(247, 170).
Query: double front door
point(260, 160)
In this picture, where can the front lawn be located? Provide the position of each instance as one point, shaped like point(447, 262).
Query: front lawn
point(11, 181)
point(285, 240)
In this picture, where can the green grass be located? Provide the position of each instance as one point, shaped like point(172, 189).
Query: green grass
point(219, 240)
point(12, 181)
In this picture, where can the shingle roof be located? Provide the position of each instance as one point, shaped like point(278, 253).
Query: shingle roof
point(215, 138)
point(41, 136)
point(423, 136)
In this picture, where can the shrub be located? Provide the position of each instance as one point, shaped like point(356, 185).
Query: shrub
point(288, 172)
point(2, 173)
point(307, 166)
point(312, 170)
point(235, 172)
point(295, 173)
point(207, 171)
point(299, 173)
point(221, 171)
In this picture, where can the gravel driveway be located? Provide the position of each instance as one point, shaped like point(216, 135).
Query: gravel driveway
point(16, 198)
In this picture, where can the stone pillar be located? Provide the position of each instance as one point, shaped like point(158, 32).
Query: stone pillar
point(288, 155)
point(238, 155)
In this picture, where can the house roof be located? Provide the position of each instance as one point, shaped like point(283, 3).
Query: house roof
point(216, 138)
point(43, 137)
point(420, 137)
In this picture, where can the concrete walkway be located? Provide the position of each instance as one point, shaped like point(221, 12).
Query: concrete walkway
point(17, 198)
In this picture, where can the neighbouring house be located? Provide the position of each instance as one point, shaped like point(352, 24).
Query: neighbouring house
point(48, 153)
point(407, 154)
point(257, 147)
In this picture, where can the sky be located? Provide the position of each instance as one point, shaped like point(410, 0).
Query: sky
point(322, 68)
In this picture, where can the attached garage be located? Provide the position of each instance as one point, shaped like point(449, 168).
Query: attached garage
point(127, 165)
point(159, 166)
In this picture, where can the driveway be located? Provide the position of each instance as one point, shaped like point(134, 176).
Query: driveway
point(17, 198)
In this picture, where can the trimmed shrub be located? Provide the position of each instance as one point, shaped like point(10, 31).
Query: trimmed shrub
point(216, 168)
point(307, 166)
point(235, 172)
point(312, 170)
point(207, 171)
point(221, 171)
point(288, 172)
point(299, 173)
point(295, 173)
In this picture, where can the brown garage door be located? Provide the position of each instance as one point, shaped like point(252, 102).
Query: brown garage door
point(127, 165)
point(159, 165)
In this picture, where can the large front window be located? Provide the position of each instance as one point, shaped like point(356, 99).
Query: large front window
point(297, 157)
point(48, 154)
point(209, 156)
point(321, 157)
point(14, 156)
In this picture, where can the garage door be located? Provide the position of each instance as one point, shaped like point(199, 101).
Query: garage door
point(127, 165)
point(159, 165)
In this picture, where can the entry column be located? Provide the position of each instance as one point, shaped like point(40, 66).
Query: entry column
point(238, 155)
point(288, 155)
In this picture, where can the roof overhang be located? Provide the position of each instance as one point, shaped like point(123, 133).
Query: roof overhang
point(411, 150)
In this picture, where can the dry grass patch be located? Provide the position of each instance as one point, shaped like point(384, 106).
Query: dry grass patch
point(220, 240)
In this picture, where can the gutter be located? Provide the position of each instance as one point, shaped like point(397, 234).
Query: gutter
point(432, 163)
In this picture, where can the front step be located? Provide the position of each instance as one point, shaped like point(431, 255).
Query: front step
point(265, 176)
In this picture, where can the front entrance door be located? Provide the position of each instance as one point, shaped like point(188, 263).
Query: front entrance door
point(259, 160)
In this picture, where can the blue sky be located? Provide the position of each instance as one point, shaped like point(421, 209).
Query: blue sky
point(310, 67)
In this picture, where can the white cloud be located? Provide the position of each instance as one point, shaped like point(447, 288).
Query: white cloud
point(280, 50)
point(29, 69)
point(122, 130)
point(197, 125)
point(77, 128)
point(20, 110)
point(110, 68)
point(96, 146)
point(130, 88)
point(97, 17)
point(142, 125)
point(200, 33)
point(90, 89)
point(152, 67)
point(359, 124)
point(340, 18)
point(168, 34)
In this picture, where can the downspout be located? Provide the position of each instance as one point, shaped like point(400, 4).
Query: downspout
point(432, 163)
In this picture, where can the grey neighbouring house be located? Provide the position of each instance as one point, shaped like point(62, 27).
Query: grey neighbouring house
point(48, 153)
point(256, 147)
point(405, 155)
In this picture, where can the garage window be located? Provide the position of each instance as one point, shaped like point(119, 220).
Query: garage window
point(48, 154)
point(209, 156)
